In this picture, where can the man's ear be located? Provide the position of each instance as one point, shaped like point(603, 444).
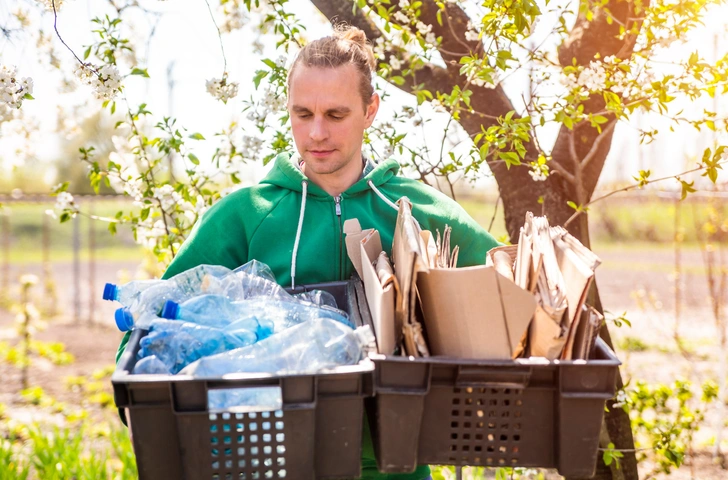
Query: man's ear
point(372, 110)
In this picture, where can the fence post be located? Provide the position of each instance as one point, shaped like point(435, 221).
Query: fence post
point(91, 264)
point(49, 288)
point(76, 270)
point(5, 222)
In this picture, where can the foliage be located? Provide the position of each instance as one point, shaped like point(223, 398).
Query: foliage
point(665, 419)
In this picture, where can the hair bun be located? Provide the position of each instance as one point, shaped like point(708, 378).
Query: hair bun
point(357, 36)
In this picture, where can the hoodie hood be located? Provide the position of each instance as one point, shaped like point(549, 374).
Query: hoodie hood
point(286, 174)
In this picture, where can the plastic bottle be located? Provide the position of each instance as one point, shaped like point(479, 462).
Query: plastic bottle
point(127, 293)
point(317, 297)
point(258, 269)
point(150, 365)
point(177, 344)
point(148, 304)
point(219, 312)
point(306, 348)
point(270, 314)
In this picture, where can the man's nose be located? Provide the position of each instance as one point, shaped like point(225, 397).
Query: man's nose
point(319, 132)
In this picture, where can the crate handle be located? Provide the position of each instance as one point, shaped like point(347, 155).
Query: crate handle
point(505, 376)
point(244, 400)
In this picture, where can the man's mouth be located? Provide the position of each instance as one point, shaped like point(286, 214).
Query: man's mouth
point(320, 153)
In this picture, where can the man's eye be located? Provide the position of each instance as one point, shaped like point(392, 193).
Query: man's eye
point(336, 117)
point(304, 115)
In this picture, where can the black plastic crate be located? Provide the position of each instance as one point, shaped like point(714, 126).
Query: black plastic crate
point(315, 434)
point(522, 413)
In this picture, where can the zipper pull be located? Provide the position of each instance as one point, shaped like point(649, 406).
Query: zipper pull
point(337, 200)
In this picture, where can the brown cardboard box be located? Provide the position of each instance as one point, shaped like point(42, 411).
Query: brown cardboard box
point(468, 312)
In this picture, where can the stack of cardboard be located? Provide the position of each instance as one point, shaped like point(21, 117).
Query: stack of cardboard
point(527, 300)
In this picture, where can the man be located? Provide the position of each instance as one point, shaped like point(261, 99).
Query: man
point(293, 220)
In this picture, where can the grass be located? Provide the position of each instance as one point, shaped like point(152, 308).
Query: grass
point(26, 234)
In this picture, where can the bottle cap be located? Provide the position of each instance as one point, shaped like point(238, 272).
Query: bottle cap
point(170, 310)
point(109, 291)
point(124, 319)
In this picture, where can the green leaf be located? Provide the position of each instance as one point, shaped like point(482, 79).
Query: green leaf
point(112, 228)
point(193, 158)
point(28, 96)
point(197, 136)
point(259, 75)
point(687, 187)
point(511, 158)
point(140, 71)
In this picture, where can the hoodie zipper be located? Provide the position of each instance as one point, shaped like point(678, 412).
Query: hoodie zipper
point(337, 201)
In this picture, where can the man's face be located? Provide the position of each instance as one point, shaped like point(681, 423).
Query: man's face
point(328, 118)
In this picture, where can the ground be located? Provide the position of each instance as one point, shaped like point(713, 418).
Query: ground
point(639, 281)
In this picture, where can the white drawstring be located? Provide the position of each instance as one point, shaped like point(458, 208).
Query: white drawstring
point(388, 201)
point(304, 185)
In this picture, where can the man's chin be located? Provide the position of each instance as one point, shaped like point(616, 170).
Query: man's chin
point(322, 166)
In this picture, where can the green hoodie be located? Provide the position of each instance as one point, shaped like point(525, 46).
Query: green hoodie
point(262, 222)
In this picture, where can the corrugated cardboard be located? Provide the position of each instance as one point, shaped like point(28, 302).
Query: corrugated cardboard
point(364, 248)
point(473, 312)
point(409, 253)
point(470, 312)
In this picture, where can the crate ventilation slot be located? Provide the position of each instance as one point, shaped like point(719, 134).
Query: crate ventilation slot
point(247, 446)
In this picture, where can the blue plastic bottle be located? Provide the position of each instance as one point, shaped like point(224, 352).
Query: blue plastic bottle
point(306, 348)
point(127, 293)
point(274, 314)
point(148, 304)
point(177, 344)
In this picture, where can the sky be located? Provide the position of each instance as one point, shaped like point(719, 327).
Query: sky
point(185, 52)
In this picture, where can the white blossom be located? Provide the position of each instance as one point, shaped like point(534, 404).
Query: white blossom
point(222, 89)
point(380, 47)
point(281, 61)
point(48, 4)
point(593, 77)
point(234, 17)
point(252, 146)
point(106, 81)
point(65, 202)
point(423, 28)
point(539, 173)
point(148, 233)
point(272, 102)
point(167, 196)
point(401, 17)
point(431, 38)
point(471, 35)
point(395, 62)
point(12, 88)
point(404, 3)
point(6, 113)
point(621, 398)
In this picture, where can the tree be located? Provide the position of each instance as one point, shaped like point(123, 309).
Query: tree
point(591, 68)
